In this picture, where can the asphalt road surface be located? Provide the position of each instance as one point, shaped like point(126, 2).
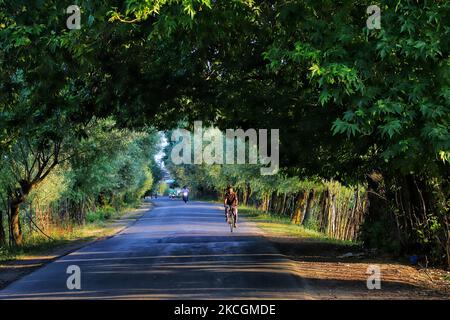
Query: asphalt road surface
point(175, 251)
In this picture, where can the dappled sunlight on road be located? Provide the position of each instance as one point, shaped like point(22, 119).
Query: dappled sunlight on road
point(175, 249)
point(178, 251)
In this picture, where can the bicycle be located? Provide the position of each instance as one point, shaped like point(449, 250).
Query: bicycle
point(230, 217)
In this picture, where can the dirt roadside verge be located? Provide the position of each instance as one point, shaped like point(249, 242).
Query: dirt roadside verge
point(339, 272)
point(13, 270)
point(335, 270)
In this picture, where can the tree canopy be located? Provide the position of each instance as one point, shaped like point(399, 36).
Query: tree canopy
point(349, 102)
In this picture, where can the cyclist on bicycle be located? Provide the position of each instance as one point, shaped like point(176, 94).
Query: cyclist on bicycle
point(231, 199)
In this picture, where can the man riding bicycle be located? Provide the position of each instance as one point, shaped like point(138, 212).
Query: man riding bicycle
point(231, 199)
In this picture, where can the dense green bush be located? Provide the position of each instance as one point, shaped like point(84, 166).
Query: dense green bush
point(101, 214)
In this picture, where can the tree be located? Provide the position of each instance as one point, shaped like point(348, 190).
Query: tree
point(374, 102)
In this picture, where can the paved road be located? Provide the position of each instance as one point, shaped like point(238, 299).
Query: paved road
point(175, 251)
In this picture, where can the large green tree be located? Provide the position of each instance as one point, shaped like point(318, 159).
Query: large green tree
point(351, 103)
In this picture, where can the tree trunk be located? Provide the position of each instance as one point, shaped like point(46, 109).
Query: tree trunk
point(16, 199)
point(15, 222)
point(323, 220)
point(300, 204)
point(448, 247)
point(2, 230)
point(332, 216)
point(249, 194)
point(297, 209)
point(307, 214)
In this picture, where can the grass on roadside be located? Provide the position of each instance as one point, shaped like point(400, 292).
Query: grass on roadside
point(97, 226)
point(282, 226)
point(277, 225)
point(447, 278)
